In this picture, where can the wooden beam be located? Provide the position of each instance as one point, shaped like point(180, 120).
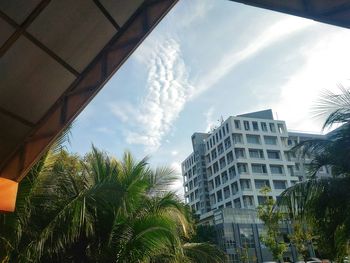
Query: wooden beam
point(81, 92)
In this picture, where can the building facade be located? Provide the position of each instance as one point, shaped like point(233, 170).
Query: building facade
point(231, 164)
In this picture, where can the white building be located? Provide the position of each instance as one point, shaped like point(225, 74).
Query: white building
point(230, 165)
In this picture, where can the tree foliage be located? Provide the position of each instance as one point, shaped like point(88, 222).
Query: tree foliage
point(272, 220)
point(324, 203)
point(99, 209)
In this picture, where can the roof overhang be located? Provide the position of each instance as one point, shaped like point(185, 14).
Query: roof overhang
point(334, 12)
point(55, 56)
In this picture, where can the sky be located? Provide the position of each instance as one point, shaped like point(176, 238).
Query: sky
point(209, 60)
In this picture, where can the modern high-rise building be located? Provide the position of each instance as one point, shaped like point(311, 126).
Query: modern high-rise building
point(227, 169)
point(231, 164)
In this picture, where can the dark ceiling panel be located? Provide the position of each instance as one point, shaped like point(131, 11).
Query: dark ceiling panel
point(72, 29)
point(18, 10)
point(23, 90)
point(6, 30)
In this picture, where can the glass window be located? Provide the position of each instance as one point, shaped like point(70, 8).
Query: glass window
point(272, 127)
point(220, 136)
point(264, 126)
point(259, 168)
point(240, 153)
point(280, 127)
point(213, 154)
point(216, 167)
point(237, 138)
point(217, 181)
point(220, 148)
point(256, 153)
point(270, 140)
point(279, 184)
point(219, 195)
point(234, 188)
point(273, 155)
point(229, 157)
point(227, 193)
point(246, 125)
point(222, 162)
point(227, 143)
point(245, 184)
point(224, 177)
point(227, 130)
point(237, 124)
point(261, 184)
point(242, 168)
point(232, 172)
point(276, 169)
point(253, 139)
point(255, 126)
point(237, 203)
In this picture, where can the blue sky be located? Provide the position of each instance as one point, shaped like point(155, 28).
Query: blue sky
point(208, 59)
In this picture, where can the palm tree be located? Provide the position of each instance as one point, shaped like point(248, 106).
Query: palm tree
point(99, 209)
point(325, 202)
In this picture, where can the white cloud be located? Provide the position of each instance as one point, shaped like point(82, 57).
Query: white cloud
point(174, 153)
point(168, 89)
point(327, 64)
point(234, 57)
point(209, 120)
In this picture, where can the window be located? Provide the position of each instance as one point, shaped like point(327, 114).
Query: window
point(261, 200)
point(227, 192)
point(273, 155)
point(276, 169)
point(240, 153)
point(237, 203)
point(216, 137)
point(228, 204)
point(245, 184)
point(279, 184)
point(229, 157)
point(220, 136)
point(227, 143)
point(237, 125)
point(272, 127)
point(211, 185)
point(248, 202)
point(256, 153)
point(259, 184)
point(224, 177)
point(237, 138)
point(219, 195)
point(207, 146)
point(222, 162)
point(223, 131)
point(255, 126)
point(280, 127)
point(227, 130)
point(259, 168)
point(242, 168)
point(216, 167)
point(264, 126)
point(232, 172)
point(246, 125)
point(270, 140)
point(220, 148)
point(290, 170)
point(217, 181)
point(213, 154)
point(234, 188)
point(212, 199)
point(253, 139)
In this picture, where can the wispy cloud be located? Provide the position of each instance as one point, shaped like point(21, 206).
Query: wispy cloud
point(168, 89)
point(232, 58)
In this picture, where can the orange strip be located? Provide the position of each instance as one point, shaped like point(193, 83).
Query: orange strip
point(8, 194)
